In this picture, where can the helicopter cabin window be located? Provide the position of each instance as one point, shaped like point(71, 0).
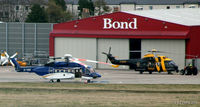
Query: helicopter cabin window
point(17, 8)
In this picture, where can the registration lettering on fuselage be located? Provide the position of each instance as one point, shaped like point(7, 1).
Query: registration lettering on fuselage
point(123, 61)
point(27, 70)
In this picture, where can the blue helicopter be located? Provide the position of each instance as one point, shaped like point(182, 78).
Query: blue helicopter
point(71, 68)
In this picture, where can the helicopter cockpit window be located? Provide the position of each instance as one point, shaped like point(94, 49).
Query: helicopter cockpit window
point(170, 63)
point(89, 70)
point(149, 58)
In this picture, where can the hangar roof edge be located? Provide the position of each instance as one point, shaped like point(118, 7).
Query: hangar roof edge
point(185, 16)
point(142, 2)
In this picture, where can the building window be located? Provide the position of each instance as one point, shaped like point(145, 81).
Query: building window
point(26, 8)
point(150, 7)
point(6, 14)
point(116, 9)
point(192, 6)
point(139, 8)
point(178, 7)
point(1, 14)
point(168, 7)
point(43, 7)
point(17, 7)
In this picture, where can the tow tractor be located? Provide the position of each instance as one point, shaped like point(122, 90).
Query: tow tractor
point(191, 69)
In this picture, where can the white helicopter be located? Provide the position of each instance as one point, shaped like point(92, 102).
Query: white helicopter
point(71, 68)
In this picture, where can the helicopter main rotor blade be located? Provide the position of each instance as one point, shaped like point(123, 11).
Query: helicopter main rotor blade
point(136, 51)
point(109, 50)
point(92, 61)
point(104, 53)
point(195, 56)
point(76, 61)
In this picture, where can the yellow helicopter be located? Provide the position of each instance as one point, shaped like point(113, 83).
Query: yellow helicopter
point(150, 62)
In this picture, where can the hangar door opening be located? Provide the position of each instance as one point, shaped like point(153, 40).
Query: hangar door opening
point(135, 49)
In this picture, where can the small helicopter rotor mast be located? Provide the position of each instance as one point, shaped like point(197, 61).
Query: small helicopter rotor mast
point(154, 52)
point(67, 57)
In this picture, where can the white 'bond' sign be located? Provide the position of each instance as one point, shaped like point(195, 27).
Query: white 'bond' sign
point(108, 24)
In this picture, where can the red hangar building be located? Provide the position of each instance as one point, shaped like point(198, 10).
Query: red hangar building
point(175, 31)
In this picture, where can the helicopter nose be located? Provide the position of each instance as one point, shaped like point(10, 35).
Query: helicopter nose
point(95, 75)
point(98, 75)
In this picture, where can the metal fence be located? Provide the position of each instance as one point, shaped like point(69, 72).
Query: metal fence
point(25, 38)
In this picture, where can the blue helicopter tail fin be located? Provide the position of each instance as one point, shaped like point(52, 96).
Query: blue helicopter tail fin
point(16, 64)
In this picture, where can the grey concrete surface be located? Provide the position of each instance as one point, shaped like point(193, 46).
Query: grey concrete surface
point(8, 74)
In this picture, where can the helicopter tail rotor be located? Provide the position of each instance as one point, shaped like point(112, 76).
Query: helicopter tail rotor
point(8, 58)
point(107, 54)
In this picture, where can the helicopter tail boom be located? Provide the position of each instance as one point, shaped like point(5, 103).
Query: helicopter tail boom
point(16, 65)
point(110, 57)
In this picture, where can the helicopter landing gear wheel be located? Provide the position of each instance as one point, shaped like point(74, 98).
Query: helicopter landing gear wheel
point(182, 72)
point(51, 81)
point(195, 71)
point(88, 81)
point(188, 72)
point(150, 72)
point(141, 72)
point(177, 71)
point(58, 80)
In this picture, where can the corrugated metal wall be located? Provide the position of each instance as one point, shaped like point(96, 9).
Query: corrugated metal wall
point(3, 32)
point(175, 49)
point(29, 39)
point(24, 38)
